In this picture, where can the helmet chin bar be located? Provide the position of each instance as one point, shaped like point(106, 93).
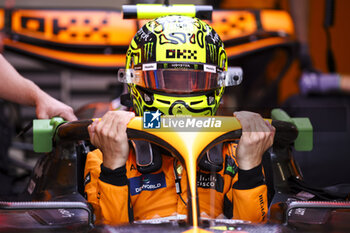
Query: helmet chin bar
point(195, 104)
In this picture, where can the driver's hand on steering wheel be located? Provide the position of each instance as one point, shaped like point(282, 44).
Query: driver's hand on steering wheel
point(109, 135)
point(257, 137)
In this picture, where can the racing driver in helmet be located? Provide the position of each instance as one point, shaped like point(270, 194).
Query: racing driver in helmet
point(174, 65)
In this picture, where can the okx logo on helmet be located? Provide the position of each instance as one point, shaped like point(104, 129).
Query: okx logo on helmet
point(178, 66)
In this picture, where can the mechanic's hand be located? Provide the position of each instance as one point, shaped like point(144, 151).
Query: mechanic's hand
point(109, 135)
point(257, 137)
point(48, 107)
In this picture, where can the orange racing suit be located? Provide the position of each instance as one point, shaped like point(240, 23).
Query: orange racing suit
point(124, 194)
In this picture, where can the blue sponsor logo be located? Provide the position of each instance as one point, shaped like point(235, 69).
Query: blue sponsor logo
point(151, 120)
point(147, 182)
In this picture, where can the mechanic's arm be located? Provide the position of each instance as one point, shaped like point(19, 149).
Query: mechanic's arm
point(250, 191)
point(108, 188)
point(18, 89)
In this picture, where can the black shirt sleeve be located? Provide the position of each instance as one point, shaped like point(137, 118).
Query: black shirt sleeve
point(248, 179)
point(115, 177)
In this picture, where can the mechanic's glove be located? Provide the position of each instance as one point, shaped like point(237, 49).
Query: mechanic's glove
point(312, 82)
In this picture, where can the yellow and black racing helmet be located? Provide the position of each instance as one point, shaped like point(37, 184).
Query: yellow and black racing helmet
point(177, 65)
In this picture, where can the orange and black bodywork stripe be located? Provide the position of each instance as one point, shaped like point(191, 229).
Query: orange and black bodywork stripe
point(2, 24)
point(249, 31)
point(2, 19)
point(98, 39)
point(73, 27)
point(95, 61)
point(82, 38)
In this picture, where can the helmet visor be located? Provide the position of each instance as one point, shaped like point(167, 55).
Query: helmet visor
point(174, 80)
